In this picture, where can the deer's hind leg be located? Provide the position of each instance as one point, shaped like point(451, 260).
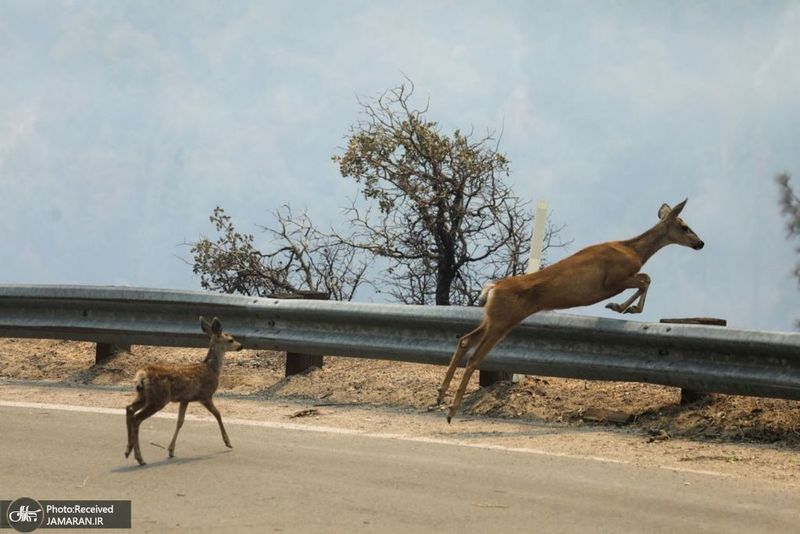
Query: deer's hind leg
point(465, 343)
point(491, 338)
point(152, 407)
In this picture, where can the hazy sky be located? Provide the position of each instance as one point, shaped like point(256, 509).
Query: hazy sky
point(122, 124)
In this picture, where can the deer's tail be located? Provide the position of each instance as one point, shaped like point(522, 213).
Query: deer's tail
point(484, 296)
point(140, 380)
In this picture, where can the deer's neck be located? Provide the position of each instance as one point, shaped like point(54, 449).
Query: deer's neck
point(648, 243)
point(214, 359)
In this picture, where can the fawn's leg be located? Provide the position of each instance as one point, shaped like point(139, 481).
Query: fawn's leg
point(464, 344)
point(181, 415)
point(209, 404)
point(131, 409)
point(490, 339)
point(146, 412)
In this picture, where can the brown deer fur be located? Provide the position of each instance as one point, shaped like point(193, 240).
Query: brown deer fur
point(158, 385)
point(589, 276)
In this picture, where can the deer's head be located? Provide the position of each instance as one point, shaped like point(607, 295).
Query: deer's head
point(219, 339)
point(677, 230)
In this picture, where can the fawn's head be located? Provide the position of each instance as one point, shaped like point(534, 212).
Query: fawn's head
point(220, 340)
point(677, 230)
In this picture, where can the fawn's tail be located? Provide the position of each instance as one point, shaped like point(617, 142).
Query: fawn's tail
point(139, 380)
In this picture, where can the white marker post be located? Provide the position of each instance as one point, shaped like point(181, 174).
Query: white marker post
point(537, 242)
point(537, 238)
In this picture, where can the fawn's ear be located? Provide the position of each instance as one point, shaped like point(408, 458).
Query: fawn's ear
point(204, 325)
point(216, 326)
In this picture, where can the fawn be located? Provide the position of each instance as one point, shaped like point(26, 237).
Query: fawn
point(157, 385)
point(587, 277)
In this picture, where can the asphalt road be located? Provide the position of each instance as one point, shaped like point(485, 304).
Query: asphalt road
point(283, 480)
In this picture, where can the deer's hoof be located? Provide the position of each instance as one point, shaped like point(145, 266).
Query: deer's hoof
point(614, 307)
point(141, 462)
point(229, 445)
point(448, 419)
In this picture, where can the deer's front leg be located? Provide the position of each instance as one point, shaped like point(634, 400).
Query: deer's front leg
point(130, 410)
point(641, 282)
point(181, 416)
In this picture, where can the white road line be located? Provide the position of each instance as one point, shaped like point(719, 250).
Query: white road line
point(348, 431)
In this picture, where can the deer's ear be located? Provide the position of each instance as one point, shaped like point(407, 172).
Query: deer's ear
point(677, 209)
point(663, 211)
point(204, 325)
point(216, 326)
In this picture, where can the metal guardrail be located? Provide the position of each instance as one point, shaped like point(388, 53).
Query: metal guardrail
point(703, 358)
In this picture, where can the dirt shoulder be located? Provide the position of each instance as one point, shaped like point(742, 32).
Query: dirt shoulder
point(736, 436)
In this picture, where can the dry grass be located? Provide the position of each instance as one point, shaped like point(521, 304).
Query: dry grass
point(653, 409)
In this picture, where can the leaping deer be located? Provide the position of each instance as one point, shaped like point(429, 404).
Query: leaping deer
point(157, 385)
point(589, 276)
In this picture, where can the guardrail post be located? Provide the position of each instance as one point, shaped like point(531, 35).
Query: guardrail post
point(297, 362)
point(103, 351)
point(487, 378)
point(688, 396)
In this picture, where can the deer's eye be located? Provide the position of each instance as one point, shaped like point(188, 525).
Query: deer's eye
point(685, 229)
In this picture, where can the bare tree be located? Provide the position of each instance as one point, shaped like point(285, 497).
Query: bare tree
point(300, 257)
point(437, 208)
